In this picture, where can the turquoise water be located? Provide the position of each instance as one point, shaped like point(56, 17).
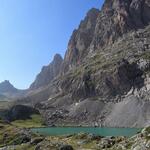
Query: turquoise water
point(54, 131)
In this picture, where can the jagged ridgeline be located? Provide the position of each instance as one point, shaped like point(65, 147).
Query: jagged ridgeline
point(104, 78)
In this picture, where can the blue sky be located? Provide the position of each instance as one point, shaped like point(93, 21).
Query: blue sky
point(32, 31)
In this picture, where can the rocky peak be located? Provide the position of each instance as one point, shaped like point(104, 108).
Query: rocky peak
point(6, 87)
point(89, 22)
point(57, 58)
point(48, 73)
point(80, 40)
point(129, 11)
point(119, 17)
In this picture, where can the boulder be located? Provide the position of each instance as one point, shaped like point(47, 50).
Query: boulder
point(66, 147)
point(20, 112)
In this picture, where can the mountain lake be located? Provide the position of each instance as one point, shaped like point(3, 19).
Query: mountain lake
point(56, 131)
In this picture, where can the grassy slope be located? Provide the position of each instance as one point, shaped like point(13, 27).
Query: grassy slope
point(35, 121)
point(11, 132)
point(14, 135)
point(4, 104)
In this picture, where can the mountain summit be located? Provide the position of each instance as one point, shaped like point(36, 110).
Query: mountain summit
point(6, 87)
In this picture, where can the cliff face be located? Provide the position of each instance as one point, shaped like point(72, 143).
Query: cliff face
point(80, 40)
point(48, 73)
point(119, 17)
point(101, 28)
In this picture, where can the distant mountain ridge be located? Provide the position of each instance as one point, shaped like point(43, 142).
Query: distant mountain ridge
point(9, 91)
point(3, 98)
point(6, 86)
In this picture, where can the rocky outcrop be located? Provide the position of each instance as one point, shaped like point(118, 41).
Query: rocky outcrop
point(48, 73)
point(125, 77)
point(20, 112)
point(66, 147)
point(105, 84)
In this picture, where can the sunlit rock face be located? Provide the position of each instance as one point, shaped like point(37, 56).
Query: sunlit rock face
point(101, 28)
point(119, 17)
point(80, 40)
